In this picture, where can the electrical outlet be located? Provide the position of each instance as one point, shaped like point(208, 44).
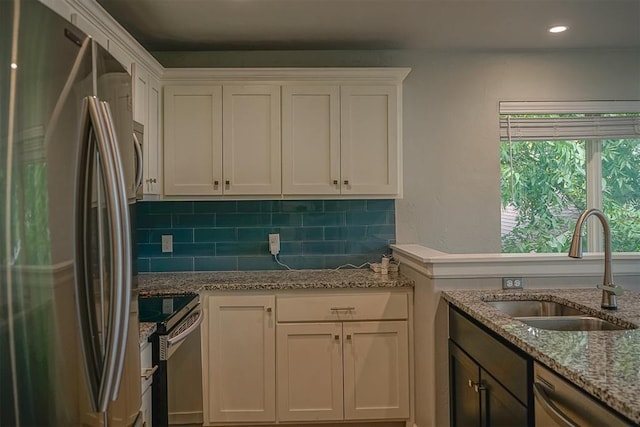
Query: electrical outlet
point(512, 283)
point(274, 244)
point(167, 243)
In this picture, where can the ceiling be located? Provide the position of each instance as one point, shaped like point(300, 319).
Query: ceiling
point(165, 25)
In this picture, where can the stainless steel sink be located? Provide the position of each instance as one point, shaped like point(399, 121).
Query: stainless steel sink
point(534, 308)
point(554, 316)
point(572, 323)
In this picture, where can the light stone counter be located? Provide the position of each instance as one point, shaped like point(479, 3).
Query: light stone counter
point(182, 283)
point(146, 330)
point(605, 364)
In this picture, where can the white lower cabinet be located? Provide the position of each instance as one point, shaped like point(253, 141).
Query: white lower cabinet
point(310, 371)
point(238, 353)
point(320, 357)
point(146, 379)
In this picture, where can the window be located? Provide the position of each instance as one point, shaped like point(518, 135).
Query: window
point(558, 159)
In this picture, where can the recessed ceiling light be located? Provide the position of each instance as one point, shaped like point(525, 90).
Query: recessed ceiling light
point(558, 29)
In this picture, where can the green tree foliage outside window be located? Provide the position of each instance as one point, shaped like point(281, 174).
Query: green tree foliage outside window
point(544, 187)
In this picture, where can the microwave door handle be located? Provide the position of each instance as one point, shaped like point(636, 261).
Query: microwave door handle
point(121, 246)
point(139, 160)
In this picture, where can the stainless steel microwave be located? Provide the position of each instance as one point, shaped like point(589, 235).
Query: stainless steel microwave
point(138, 139)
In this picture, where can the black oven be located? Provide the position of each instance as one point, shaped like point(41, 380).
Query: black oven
point(176, 317)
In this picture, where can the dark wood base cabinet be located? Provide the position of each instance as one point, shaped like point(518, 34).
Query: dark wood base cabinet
point(488, 380)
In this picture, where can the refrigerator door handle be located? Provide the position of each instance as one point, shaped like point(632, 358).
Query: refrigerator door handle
point(121, 244)
point(101, 369)
point(139, 160)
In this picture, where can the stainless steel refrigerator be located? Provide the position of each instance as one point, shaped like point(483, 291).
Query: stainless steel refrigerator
point(69, 351)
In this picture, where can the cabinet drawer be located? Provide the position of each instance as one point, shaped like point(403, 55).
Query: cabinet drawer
point(503, 363)
point(330, 308)
point(146, 377)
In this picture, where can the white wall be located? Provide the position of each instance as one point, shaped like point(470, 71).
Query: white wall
point(451, 166)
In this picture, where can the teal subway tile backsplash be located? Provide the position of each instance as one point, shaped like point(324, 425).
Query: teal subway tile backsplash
point(233, 235)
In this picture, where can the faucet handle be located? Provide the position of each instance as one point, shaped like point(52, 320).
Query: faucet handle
point(613, 288)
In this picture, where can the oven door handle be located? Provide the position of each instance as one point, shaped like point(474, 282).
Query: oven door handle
point(182, 336)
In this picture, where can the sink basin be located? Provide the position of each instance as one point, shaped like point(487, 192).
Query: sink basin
point(534, 308)
point(572, 323)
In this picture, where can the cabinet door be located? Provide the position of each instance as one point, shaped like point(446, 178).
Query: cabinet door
point(311, 139)
point(152, 182)
point(369, 139)
point(464, 375)
point(251, 129)
point(500, 407)
point(309, 371)
point(376, 370)
point(193, 140)
point(140, 78)
point(239, 359)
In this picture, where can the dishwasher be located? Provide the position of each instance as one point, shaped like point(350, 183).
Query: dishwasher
point(560, 403)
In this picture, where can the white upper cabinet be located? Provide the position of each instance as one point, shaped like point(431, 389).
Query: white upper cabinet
point(153, 140)
point(251, 139)
point(192, 140)
point(311, 139)
point(140, 90)
point(285, 132)
point(369, 136)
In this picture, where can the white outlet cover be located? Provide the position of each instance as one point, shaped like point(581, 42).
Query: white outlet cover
point(167, 243)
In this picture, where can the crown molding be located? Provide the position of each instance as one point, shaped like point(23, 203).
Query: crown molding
point(99, 17)
point(392, 75)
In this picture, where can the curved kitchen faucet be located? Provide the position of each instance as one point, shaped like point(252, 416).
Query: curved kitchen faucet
point(609, 289)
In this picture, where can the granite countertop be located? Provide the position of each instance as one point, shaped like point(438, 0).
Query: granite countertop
point(181, 283)
point(146, 330)
point(605, 364)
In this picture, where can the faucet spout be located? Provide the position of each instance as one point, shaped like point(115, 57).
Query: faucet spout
point(609, 289)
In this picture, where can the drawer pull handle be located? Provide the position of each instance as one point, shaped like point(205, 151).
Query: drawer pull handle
point(346, 182)
point(148, 373)
point(342, 308)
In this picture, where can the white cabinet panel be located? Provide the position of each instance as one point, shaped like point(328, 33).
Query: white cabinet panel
point(239, 355)
point(140, 78)
point(193, 140)
point(311, 139)
point(251, 139)
point(153, 141)
point(309, 371)
point(376, 370)
point(89, 29)
point(369, 132)
point(119, 53)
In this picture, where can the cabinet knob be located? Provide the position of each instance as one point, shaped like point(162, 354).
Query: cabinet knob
point(336, 337)
point(335, 182)
point(346, 182)
point(349, 336)
point(216, 182)
point(152, 180)
point(269, 310)
point(477, 386)
point(227, 182)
